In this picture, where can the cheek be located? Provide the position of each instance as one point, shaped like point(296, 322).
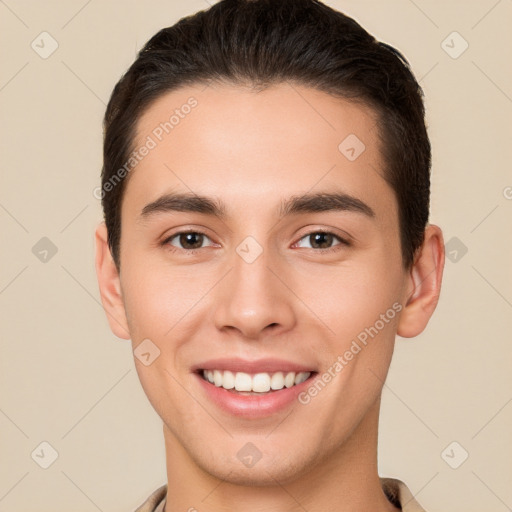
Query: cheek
point(157, 296)
point(350, 298)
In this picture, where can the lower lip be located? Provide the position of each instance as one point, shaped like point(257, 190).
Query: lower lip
point(253, 406)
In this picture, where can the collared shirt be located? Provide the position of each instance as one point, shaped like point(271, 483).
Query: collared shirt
point(396, 491)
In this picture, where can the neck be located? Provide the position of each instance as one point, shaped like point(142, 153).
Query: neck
point(346, 481)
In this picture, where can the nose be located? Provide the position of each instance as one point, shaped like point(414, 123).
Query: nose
point(252, 300)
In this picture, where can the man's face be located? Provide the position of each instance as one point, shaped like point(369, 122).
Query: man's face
point(255, 285)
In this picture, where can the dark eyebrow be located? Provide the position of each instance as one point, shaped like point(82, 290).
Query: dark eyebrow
point(306, 203)
point(324, 202)
point(184, 202)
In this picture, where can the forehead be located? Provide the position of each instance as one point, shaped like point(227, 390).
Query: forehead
point(226, 114)
point(250, 147)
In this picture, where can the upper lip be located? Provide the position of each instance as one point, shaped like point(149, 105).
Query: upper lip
point(267, 365)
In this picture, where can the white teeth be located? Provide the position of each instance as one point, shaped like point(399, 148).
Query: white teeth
point(258, 383)
point(277, 381)
point(217, 378)
point(243, 382)
point(289, 380)
point(301, 377)
point(228, 380)
point(261, 383)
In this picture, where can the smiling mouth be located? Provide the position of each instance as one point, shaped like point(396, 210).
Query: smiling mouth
point(254, 384)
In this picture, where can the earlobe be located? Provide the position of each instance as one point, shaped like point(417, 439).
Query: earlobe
point(424, 284)
point(109, 285)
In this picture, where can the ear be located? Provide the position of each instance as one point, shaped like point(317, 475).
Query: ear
point(424, 284)
point(110, 285)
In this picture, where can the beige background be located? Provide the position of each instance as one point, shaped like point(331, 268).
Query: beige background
point(65, 379)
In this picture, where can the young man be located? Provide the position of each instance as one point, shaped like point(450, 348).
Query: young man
point(266, 198)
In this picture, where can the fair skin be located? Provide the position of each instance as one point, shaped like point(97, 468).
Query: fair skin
point(251, 151)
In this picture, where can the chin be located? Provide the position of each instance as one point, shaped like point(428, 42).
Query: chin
point(267, 471)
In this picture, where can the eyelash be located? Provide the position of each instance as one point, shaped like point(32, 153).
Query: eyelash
point(343, 242)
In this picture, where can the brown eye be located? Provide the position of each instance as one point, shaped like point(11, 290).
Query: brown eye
point(187, 240)
point(323, 240)
point(194, 239)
